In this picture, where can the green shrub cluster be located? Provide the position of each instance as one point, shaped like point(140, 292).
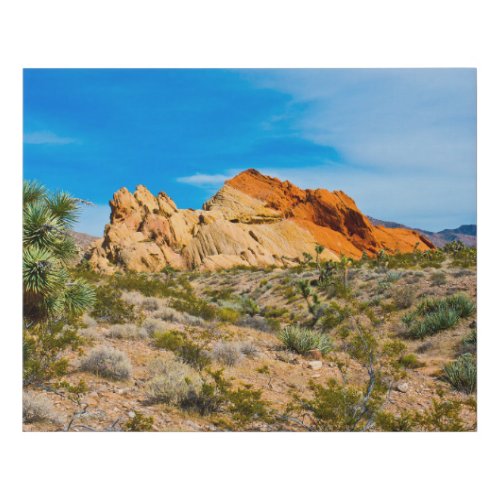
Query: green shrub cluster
point(434, 314)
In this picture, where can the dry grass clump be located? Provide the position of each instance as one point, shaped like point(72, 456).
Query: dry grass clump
point(403, 296)
point(38, 408)
point(91, 332)
point(107, 362)
point(169, 314)
point(154, 326)
point(88, 321)
point(226, 353)
point(249, 349)
point(126, 331)
point(151, 304)
point(172, 382)
point(133, 298)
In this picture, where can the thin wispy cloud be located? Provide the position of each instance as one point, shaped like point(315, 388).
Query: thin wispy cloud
point(204, 180)
point(47, 138)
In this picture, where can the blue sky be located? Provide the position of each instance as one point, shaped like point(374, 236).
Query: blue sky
point(402, 143)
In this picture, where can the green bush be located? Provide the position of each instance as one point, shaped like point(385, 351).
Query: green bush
point(110, 308)
point(196, 307)
point(227, 315)
point(437, 314)
point(462, 373)
point(138, 423)
point(409, 361)
point(43, 347)
point(302, 340)
point(171, 340)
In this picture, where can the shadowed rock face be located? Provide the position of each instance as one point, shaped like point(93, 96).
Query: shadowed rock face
point(253, 220)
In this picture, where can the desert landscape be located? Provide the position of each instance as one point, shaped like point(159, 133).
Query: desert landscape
point(272, 308)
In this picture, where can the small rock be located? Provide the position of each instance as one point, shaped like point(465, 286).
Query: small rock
point(315, 365)
point(402, 387)
point(131, 414)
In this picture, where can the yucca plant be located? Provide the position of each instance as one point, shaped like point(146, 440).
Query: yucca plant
point(462, 373)
point(303, 340)
point(49, 291)
point(53, 301)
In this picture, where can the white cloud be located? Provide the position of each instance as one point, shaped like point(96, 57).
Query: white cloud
point(46, 138)
point(204, 180)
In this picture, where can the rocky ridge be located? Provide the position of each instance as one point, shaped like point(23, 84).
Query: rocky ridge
point(253, 220)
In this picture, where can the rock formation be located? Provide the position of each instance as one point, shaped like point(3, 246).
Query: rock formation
point(253, 220)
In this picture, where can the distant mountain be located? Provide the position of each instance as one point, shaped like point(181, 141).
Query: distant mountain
point(83, 240)
point(466, 233)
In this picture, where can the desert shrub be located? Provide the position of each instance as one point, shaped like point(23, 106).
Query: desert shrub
point(437, 314)
point(333, 316)
point(409, 361)
point(273, 324)
point(462, 373)
point(303, 340)
point(44, 348)
point(193, 355)
point(274, 312)
point(147, 284)
point(255, 322)
point(438, 278)
point(195, 307)
point(90, 332)
point(469, 342)
point(249, 349)
point(150, 304)
point(38, 408)
point(171, 340)
point(249, 306)
point(107, 362)
point(403, 296)
point(442, 416)
point(88, 321)
point(243, 404)
point(154, 326)
point(246, 404)
point(389, 422)
point(169, 314)
point(138, 423)
point(127, 331)
point(172, 382)
point(226, 353)
point(110, 307)
point(186, 350)
point(227, 315)
point(392, 276)
point(133, 298)
point(335, 407)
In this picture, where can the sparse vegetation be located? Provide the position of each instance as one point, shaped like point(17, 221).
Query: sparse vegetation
point(107, 362)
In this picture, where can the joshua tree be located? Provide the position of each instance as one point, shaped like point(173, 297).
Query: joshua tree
point(319, 250)
point(49, 292)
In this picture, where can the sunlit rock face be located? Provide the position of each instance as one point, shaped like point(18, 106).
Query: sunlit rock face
point(253, 220)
